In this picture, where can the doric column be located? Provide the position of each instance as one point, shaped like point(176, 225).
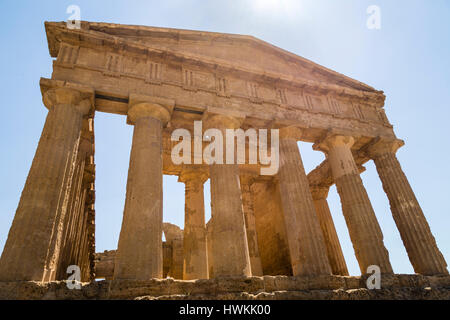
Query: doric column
point(305, 239)
point(195, 264)
point(409, 218)
point(139, 252)
point(33, 246)
point(250, 225)
point(334, 250)
point(362, 223)
point(229, 239)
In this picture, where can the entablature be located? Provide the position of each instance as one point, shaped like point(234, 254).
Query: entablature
point(215, 67)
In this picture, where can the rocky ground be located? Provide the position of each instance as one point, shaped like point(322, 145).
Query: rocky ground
point(265, 288)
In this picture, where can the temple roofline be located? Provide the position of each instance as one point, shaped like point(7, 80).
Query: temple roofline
point(122, 31)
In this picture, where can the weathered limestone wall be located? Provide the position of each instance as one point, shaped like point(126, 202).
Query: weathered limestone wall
point(104, 262)
point(270, 228)
point(174, 238)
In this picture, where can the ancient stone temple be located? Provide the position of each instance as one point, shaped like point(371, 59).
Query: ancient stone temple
point(268, 232)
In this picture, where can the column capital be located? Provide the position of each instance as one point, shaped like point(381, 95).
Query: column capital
point(56, 92)
point(141, 106)
point(380, 146)
point(247, 179)
point(290, 132)
point(219, 119)
point(333, 140)
point(319, 192)
point(193, 174)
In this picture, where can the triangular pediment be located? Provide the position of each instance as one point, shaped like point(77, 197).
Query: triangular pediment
point(240, 51)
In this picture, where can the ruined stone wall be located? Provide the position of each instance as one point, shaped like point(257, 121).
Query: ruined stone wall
point(104, 262)
point(167, 259)
point(174, 238)
point(270, 228)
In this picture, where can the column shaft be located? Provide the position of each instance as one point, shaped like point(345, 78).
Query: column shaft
point(334, 250)
point(195, 265)
point(414, 230)
point(250, 225)
point(306, 244)
point(229, 239)
point(362, 223)
point(67, 241)
point(33, 246)
point(139, 253)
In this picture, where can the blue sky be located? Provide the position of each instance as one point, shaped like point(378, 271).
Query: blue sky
point(408, 58)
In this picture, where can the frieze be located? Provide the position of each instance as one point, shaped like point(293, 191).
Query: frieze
point(118, 64)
